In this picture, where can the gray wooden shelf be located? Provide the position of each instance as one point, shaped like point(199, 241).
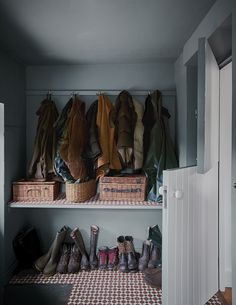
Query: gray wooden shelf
point(94, 203)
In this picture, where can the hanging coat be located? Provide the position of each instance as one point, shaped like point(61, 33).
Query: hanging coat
point(124, 118)
point(93, 149)
point(59, 165)
point(41, 165)
point(148, 123)
point(161, 154)
point(109, 158)
point(74, 141)
point(138, 136)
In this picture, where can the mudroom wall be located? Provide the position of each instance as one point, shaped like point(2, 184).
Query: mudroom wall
point(12, 95)
point(94, 77)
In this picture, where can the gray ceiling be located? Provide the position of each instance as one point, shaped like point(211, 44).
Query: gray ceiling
point(98, 31)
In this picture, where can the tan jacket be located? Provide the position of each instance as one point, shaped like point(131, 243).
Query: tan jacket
point(138, 136)
point(109, 158)
point(74, 141)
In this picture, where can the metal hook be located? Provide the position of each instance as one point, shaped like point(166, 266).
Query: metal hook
point(49, 95)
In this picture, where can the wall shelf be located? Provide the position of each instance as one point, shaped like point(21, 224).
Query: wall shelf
point(94, 203)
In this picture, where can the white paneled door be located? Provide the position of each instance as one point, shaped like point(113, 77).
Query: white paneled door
point(190, 213)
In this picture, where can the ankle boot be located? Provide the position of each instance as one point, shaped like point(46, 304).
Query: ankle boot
point(123, 261)
point(74, 261)
point(112, 258)
point(41, 262)
point(78, 239)
point(62, 265)
point(155, 258)
point(132, 260)
point(103, 258)
point(144, 259)
point(50, 268)
point(93, 260)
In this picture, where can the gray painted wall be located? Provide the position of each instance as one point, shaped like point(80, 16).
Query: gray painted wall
point(102, 76)
point(12, 86)
point(118, 76)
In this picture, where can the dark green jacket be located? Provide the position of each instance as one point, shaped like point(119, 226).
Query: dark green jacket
point(161, 154)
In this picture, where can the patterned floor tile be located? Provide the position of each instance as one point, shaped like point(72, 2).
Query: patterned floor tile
point(103, 288)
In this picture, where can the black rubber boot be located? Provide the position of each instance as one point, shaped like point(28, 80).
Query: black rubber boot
point(155, 258)
point(93, 260)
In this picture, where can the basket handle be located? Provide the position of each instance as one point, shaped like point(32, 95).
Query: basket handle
point(32, 189)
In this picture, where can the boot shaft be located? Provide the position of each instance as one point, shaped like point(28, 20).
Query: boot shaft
point(121, 244)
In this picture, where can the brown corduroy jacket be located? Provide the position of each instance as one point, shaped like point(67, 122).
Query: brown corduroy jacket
point(125, 118)
point(74, 141)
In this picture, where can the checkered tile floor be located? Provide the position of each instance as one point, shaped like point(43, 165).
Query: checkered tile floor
point(99, 288)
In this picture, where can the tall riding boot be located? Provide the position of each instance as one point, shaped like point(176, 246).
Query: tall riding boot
point(78, 239)
point(93, 260)
point(155, 258)
point(132, 261)
point(50, 267)
point(41, 262)
point(123, 261)
point(144, 259)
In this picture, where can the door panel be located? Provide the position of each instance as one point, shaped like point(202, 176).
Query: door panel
point(225, 176)
point(190, 219)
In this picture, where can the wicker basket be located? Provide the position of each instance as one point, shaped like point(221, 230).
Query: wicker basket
point(35, 191)
point(130, 188)
point(80, 192)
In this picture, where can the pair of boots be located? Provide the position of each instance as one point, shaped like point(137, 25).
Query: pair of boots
point(127, 255)
point(151, 256)
point(108, 258)
point(87, 261)
point(48, 262)
point(69, 261)
point(151, 253)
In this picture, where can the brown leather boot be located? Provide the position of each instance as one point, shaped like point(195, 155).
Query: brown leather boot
point(74, 261)
point(123, 260)
point(155, 258)
point(132, 260)
point(93, 260)
point(78, 239)
point(103, 258)
point(64, 258)
point(144, 259)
